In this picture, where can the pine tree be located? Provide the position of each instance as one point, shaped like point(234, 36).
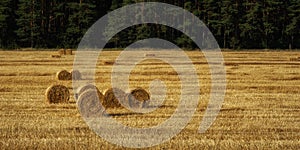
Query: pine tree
point(228, 19)
point(81, 15)
point(183, 40)
point(292, 29)
point(116, 4)
point(252, 25)
point(7, 24)
point(50, 24)
point(235, 24)
point(29, 23)
point(112, 21)
point(214, 18)
point(270, 17)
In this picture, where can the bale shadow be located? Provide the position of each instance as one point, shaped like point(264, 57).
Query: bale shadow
point(122, 114)
point(136, 113)
point(162, 106)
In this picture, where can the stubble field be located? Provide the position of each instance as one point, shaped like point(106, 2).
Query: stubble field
point(261, 109)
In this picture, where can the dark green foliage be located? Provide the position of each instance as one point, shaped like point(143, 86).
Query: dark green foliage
point(235, 24)
point(252, 25)
point(292, 29)
point(29, 23)
point(80, 18)
point(7, 23)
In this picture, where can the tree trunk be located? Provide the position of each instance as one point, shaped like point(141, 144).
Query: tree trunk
point(291, 42)
point(224, 38)
point(32, 24)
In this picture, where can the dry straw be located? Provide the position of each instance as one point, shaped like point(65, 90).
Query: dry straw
point(63, 75)
point(57, 94)
point(89, 103)
point(62, 52)
point(69, 52)
point(138, 98)
point(84, 88)
point(112, 98)
point(75, 74)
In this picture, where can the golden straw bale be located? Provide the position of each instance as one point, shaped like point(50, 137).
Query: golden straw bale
point(69, 52)
point(125, 101)
point(57, 94)
point(89, 103)
point(138, 98)
point(84, 88)
point(112, 98)
point(62, 52)
point(63, 75)
point(75, 74)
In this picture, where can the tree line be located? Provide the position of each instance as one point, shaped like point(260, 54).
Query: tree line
point(236, 24)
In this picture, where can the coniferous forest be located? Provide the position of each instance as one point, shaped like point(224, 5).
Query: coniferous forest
point(236, 24)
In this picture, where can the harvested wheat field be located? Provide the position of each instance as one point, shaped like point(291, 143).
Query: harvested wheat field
point(261, 109)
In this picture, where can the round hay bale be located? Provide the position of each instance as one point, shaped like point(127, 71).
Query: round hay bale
point(125, 100)
point(138, 98)
point(89, 103)
point(69, 52)
point(62, 52)
point(75, 74)
point(84, 88)
point(112, 96)
point(63, 75)
point(57, 94)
